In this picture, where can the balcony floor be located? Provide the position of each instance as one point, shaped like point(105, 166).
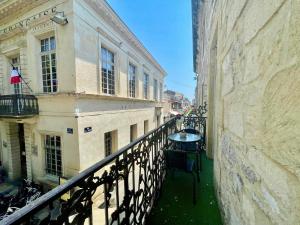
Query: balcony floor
point(175, 205)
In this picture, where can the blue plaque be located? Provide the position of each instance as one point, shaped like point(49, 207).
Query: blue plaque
point(70, 130)
point(87, 129)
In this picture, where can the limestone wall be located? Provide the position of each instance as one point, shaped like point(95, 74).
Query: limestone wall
point(250, 61)
point(94, 29)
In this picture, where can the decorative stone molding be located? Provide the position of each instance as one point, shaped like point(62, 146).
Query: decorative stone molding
point(9, 8)
point(105, 34)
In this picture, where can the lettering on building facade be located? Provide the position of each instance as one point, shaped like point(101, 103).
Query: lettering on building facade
point(25, 23)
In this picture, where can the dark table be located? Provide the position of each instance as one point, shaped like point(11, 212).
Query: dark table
point(188, 139)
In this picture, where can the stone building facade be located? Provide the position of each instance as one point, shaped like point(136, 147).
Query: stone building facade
point(247, 54)
point(97, 86)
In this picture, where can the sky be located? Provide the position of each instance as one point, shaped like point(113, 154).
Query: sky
point(165, 29)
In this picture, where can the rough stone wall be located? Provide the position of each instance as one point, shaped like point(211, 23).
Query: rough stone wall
point(255, 107)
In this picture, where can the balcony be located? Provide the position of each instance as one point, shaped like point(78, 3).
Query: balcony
point(18, 106)
point(131, 186)
point(175, 206)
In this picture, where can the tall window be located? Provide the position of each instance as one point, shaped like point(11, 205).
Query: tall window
point(15, 62)
point(146, 85)
point(133, 132)
point(131, 80)
point(146, 126)
point(155, 90)
point(48, 58)
point(108, 143)
point(53, 155)
point(108, 71)
point(160, 91)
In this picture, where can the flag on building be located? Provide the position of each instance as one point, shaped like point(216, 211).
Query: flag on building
point(15, 77)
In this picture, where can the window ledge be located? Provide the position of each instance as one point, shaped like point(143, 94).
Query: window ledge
point(95, 96)
point(49, 180)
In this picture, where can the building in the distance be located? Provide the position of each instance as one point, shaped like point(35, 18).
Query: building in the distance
point(186, 104)
point(175, 103)
point(89, 87)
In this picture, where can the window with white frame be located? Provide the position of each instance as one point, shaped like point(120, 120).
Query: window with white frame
point(146, 85)
point(110, 142)
point(53, 155)
point(108, 71)
point(131, 80)
point(48, 58)
point(155, 91)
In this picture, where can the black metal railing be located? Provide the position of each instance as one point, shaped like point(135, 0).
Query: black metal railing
point(198, 123)
point(18, 105)
point(127, 181)
point(122, 186)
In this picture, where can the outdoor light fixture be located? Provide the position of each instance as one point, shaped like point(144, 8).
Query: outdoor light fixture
point(60, 18)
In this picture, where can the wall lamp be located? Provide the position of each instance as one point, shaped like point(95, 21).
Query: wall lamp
point(59, 18)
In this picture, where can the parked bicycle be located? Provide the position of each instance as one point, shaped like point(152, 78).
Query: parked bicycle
point(27, 192)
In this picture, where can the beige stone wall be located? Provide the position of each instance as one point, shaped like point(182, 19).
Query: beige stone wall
point(79, 102)
point(91, 145)
point(53, 120)
point(26, 44)
point(93, 30)
point(250, 60)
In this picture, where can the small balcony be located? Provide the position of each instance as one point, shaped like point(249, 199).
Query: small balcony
point(133, 186)
point(18, 106)
point(175, 204)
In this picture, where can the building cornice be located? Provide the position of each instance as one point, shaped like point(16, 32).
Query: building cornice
point(196, 6)
point(9, 8)
point(103, 9)
point(93, 96)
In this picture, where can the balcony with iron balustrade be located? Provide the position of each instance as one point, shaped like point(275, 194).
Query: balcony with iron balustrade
point(131, 186)
point(18, 106)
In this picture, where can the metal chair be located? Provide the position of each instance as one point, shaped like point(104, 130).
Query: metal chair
point(194, 148)
point(199, 146)
point(177, 159)
point(191, 131)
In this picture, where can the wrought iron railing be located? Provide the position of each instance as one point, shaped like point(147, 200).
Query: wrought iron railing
point(124, 185)
point(128, 181)
point(18, 105)
point(198, 123)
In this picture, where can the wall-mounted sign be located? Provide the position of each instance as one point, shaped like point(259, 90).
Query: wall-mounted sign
point(4, 144)
point(24, 23)
point(87, 129)
point(70, 130)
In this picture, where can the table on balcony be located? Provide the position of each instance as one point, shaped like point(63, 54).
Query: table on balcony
point(189, 138)
point(188, 144)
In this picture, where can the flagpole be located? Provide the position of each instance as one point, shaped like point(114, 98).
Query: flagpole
point(22, 77)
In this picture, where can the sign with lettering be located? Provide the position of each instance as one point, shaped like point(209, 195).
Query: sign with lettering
point(24, 23)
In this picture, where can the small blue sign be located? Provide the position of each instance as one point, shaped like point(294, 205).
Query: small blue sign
point(87, 129)
point(70, 130)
